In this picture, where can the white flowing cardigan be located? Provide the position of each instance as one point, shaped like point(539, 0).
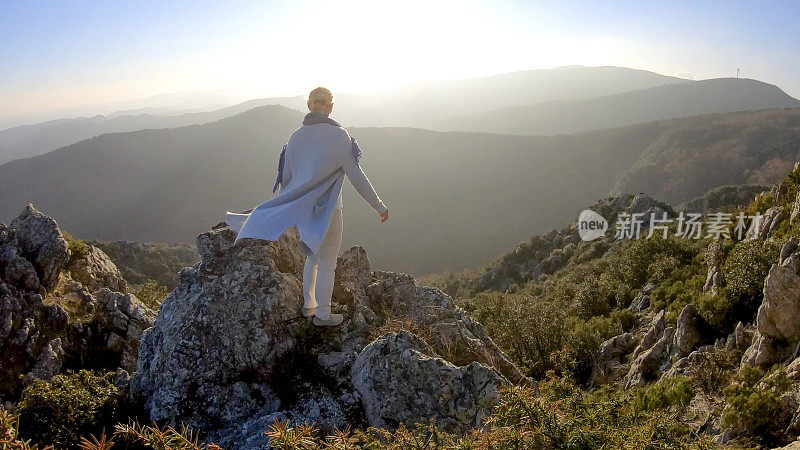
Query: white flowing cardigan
point(317, 158)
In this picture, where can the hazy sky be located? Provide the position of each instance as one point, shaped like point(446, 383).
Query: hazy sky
point(68, 53)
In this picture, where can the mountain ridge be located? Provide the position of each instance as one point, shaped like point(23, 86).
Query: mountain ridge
point(443, 188)
point(566, 117)
point(389, 108)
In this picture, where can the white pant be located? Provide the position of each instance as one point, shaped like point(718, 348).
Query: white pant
point(319, 271)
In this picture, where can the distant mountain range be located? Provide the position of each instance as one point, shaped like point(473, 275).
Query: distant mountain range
point(662, 102)
point(455, 198)
point(418, 105)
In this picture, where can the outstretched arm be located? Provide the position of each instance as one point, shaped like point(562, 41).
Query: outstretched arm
point(360, 181)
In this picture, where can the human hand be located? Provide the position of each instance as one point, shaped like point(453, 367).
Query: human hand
point(384, 216)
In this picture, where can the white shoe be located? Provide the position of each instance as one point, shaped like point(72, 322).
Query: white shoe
point(308, 312)
point(332, 321)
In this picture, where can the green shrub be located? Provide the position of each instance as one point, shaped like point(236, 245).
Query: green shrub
point(61, 410)
point(676, 294)
point(714, 309)
point(78, 249)
point(627, 319)
point(155, 437)
point(654, 259)
point(667, 392)
point(527, 328)
point(599, 295)
point(760, 204)
point(745, 269)
point(151, 293)
point(715, 370)
point(9, 432)
point(747, 265)
point(583, 342)
point(753, 400)
point(559, 416)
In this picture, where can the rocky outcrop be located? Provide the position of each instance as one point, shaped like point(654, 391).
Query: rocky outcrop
point(714, 278)
point(39, 240)
point(609, 364)
point(58, 309)
point(648, 364)
point(778, 319)
point(653, 333)
point(95, 270)
point(232, 331)
point(400, 379)
point(642, 300)
point(659, 348)
point(688, 332)
point(768, 224)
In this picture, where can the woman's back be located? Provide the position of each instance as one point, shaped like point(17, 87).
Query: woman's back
point(314, 152)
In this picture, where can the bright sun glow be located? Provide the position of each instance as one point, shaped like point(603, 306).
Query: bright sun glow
point(112, 53)
point(361, 46)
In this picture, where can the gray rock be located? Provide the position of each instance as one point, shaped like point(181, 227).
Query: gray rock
point(687, 332)
point(401, 380)
point(37, 334)
point(124, 319)
point(778, 319)
point(17, 270)
point(648, 363)
point(653, 333)
point(739, 339)
point(770, 222)
point(454, 334)
point(233, 315)
point(609, 364)
point(40, 240)
point(48, 364)
point(714, 279)
point(96, 270)
point(765, 351)
point(642, 301)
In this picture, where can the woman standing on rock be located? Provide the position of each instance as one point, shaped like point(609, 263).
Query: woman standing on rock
point(310, 174)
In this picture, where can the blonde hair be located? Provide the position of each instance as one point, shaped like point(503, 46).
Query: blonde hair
point(319, 98)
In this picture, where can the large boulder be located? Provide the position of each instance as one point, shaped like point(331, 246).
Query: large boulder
point(234, 325)
point(779, 314)
point(778, 319)
point(688, 332)
point(401, 379)
point(233, 318)
point(40, 241)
